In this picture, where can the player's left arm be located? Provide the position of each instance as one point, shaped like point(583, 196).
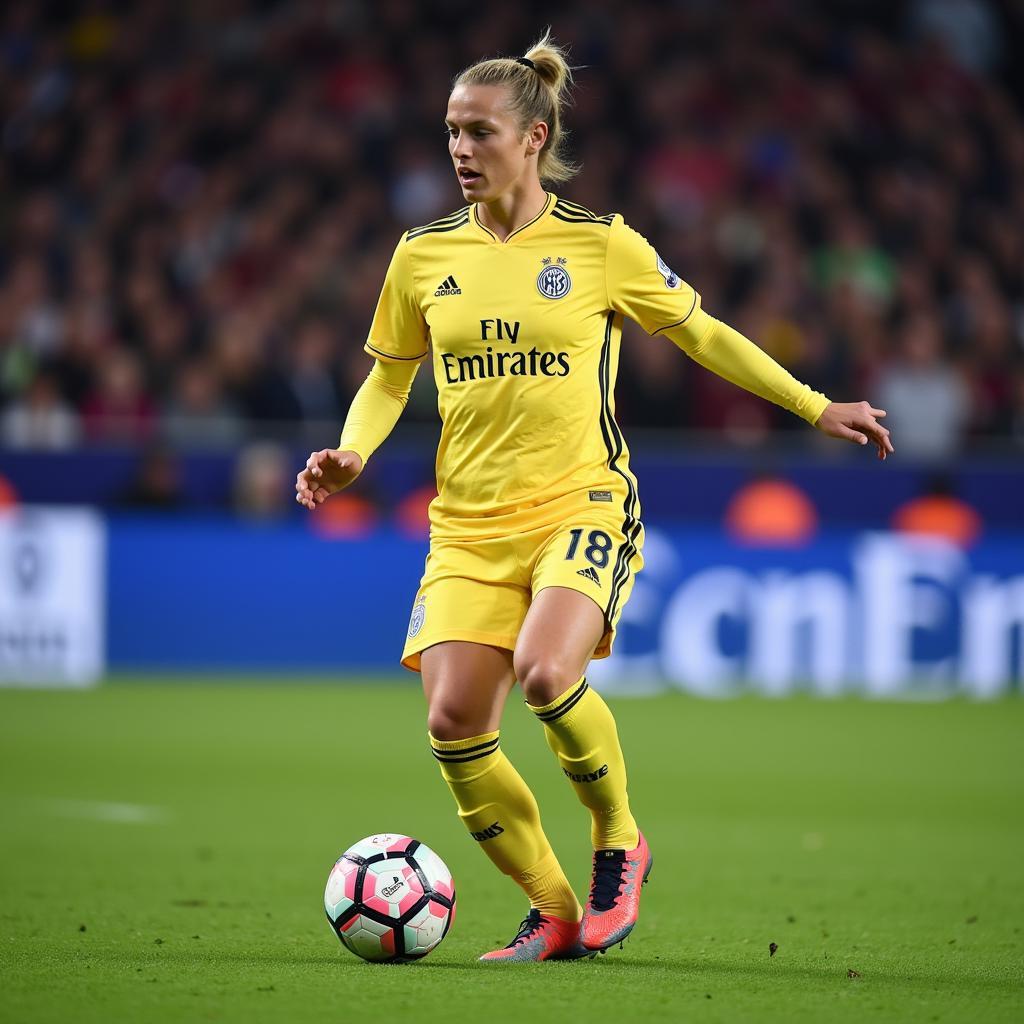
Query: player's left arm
point(642, 286)
point(726, 352)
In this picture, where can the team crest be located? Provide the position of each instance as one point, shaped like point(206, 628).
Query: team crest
point(554, 281)
point(419, 613)
point(671, 278)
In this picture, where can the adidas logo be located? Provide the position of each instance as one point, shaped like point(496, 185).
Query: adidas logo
point(448, 287)
point(590, 573)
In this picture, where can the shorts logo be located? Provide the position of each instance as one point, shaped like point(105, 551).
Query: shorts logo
point(419, 613)
point(600, 495)
point(671, 278)
point(590, 573)
point(554, 281)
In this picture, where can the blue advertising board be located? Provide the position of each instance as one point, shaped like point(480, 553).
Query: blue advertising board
point(877, 613)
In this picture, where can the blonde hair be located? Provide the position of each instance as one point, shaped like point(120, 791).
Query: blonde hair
point(537, 93)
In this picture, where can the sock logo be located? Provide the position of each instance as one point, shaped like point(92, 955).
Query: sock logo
point(488, 833)
point(593, 776)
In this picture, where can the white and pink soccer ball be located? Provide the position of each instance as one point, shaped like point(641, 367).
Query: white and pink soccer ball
point(390, 899)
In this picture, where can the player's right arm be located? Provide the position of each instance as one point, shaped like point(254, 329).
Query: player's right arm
point(372, 416)
point(398, 342)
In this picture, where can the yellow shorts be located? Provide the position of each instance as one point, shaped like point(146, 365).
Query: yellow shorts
point(480, 590)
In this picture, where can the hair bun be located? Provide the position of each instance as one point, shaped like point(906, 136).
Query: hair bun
point(540, 96)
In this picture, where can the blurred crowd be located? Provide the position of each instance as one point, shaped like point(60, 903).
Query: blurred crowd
point(198, 203)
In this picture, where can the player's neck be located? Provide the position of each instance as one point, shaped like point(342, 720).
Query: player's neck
point(512, 210)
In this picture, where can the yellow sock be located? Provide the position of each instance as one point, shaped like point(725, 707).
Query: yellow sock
point(581, 731)
point(501, 814)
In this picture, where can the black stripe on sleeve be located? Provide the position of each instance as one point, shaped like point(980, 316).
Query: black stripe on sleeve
point(679, 323)
point(559, 214)
point(388, 355)
point(581, 211)
point(444, 227)
point(569, 207)
point(441, 221)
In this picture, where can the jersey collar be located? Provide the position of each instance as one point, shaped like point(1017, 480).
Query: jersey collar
point(528, 226)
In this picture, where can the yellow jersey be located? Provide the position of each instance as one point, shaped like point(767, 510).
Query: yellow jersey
point(524, 339)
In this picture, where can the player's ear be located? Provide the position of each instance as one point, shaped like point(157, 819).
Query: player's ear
point(536, 137)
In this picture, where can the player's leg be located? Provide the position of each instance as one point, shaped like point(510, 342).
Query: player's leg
point(561, 631)
point(466, 685)
point(558, 637)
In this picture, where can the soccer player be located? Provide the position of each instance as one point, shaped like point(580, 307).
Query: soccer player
point(518, 299)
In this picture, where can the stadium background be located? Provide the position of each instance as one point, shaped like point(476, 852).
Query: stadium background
point(197, 207)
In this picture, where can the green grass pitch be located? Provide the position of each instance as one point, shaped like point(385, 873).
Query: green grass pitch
point(164, 849)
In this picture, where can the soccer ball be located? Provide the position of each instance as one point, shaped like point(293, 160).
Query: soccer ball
point(390, 899)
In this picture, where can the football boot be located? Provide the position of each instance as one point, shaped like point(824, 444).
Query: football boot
point(614, 902)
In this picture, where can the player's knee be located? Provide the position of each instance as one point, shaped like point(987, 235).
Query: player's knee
point(450, 722)
point(544, 678)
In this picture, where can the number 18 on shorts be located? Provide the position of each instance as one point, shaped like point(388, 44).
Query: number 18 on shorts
point(480, 590)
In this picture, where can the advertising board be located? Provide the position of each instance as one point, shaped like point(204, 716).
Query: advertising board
point(52, 597)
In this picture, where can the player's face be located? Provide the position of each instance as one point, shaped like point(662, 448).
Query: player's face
point(490, 152)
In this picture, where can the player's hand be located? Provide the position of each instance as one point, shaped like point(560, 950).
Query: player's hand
point(326, 472)
point(856, 422)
